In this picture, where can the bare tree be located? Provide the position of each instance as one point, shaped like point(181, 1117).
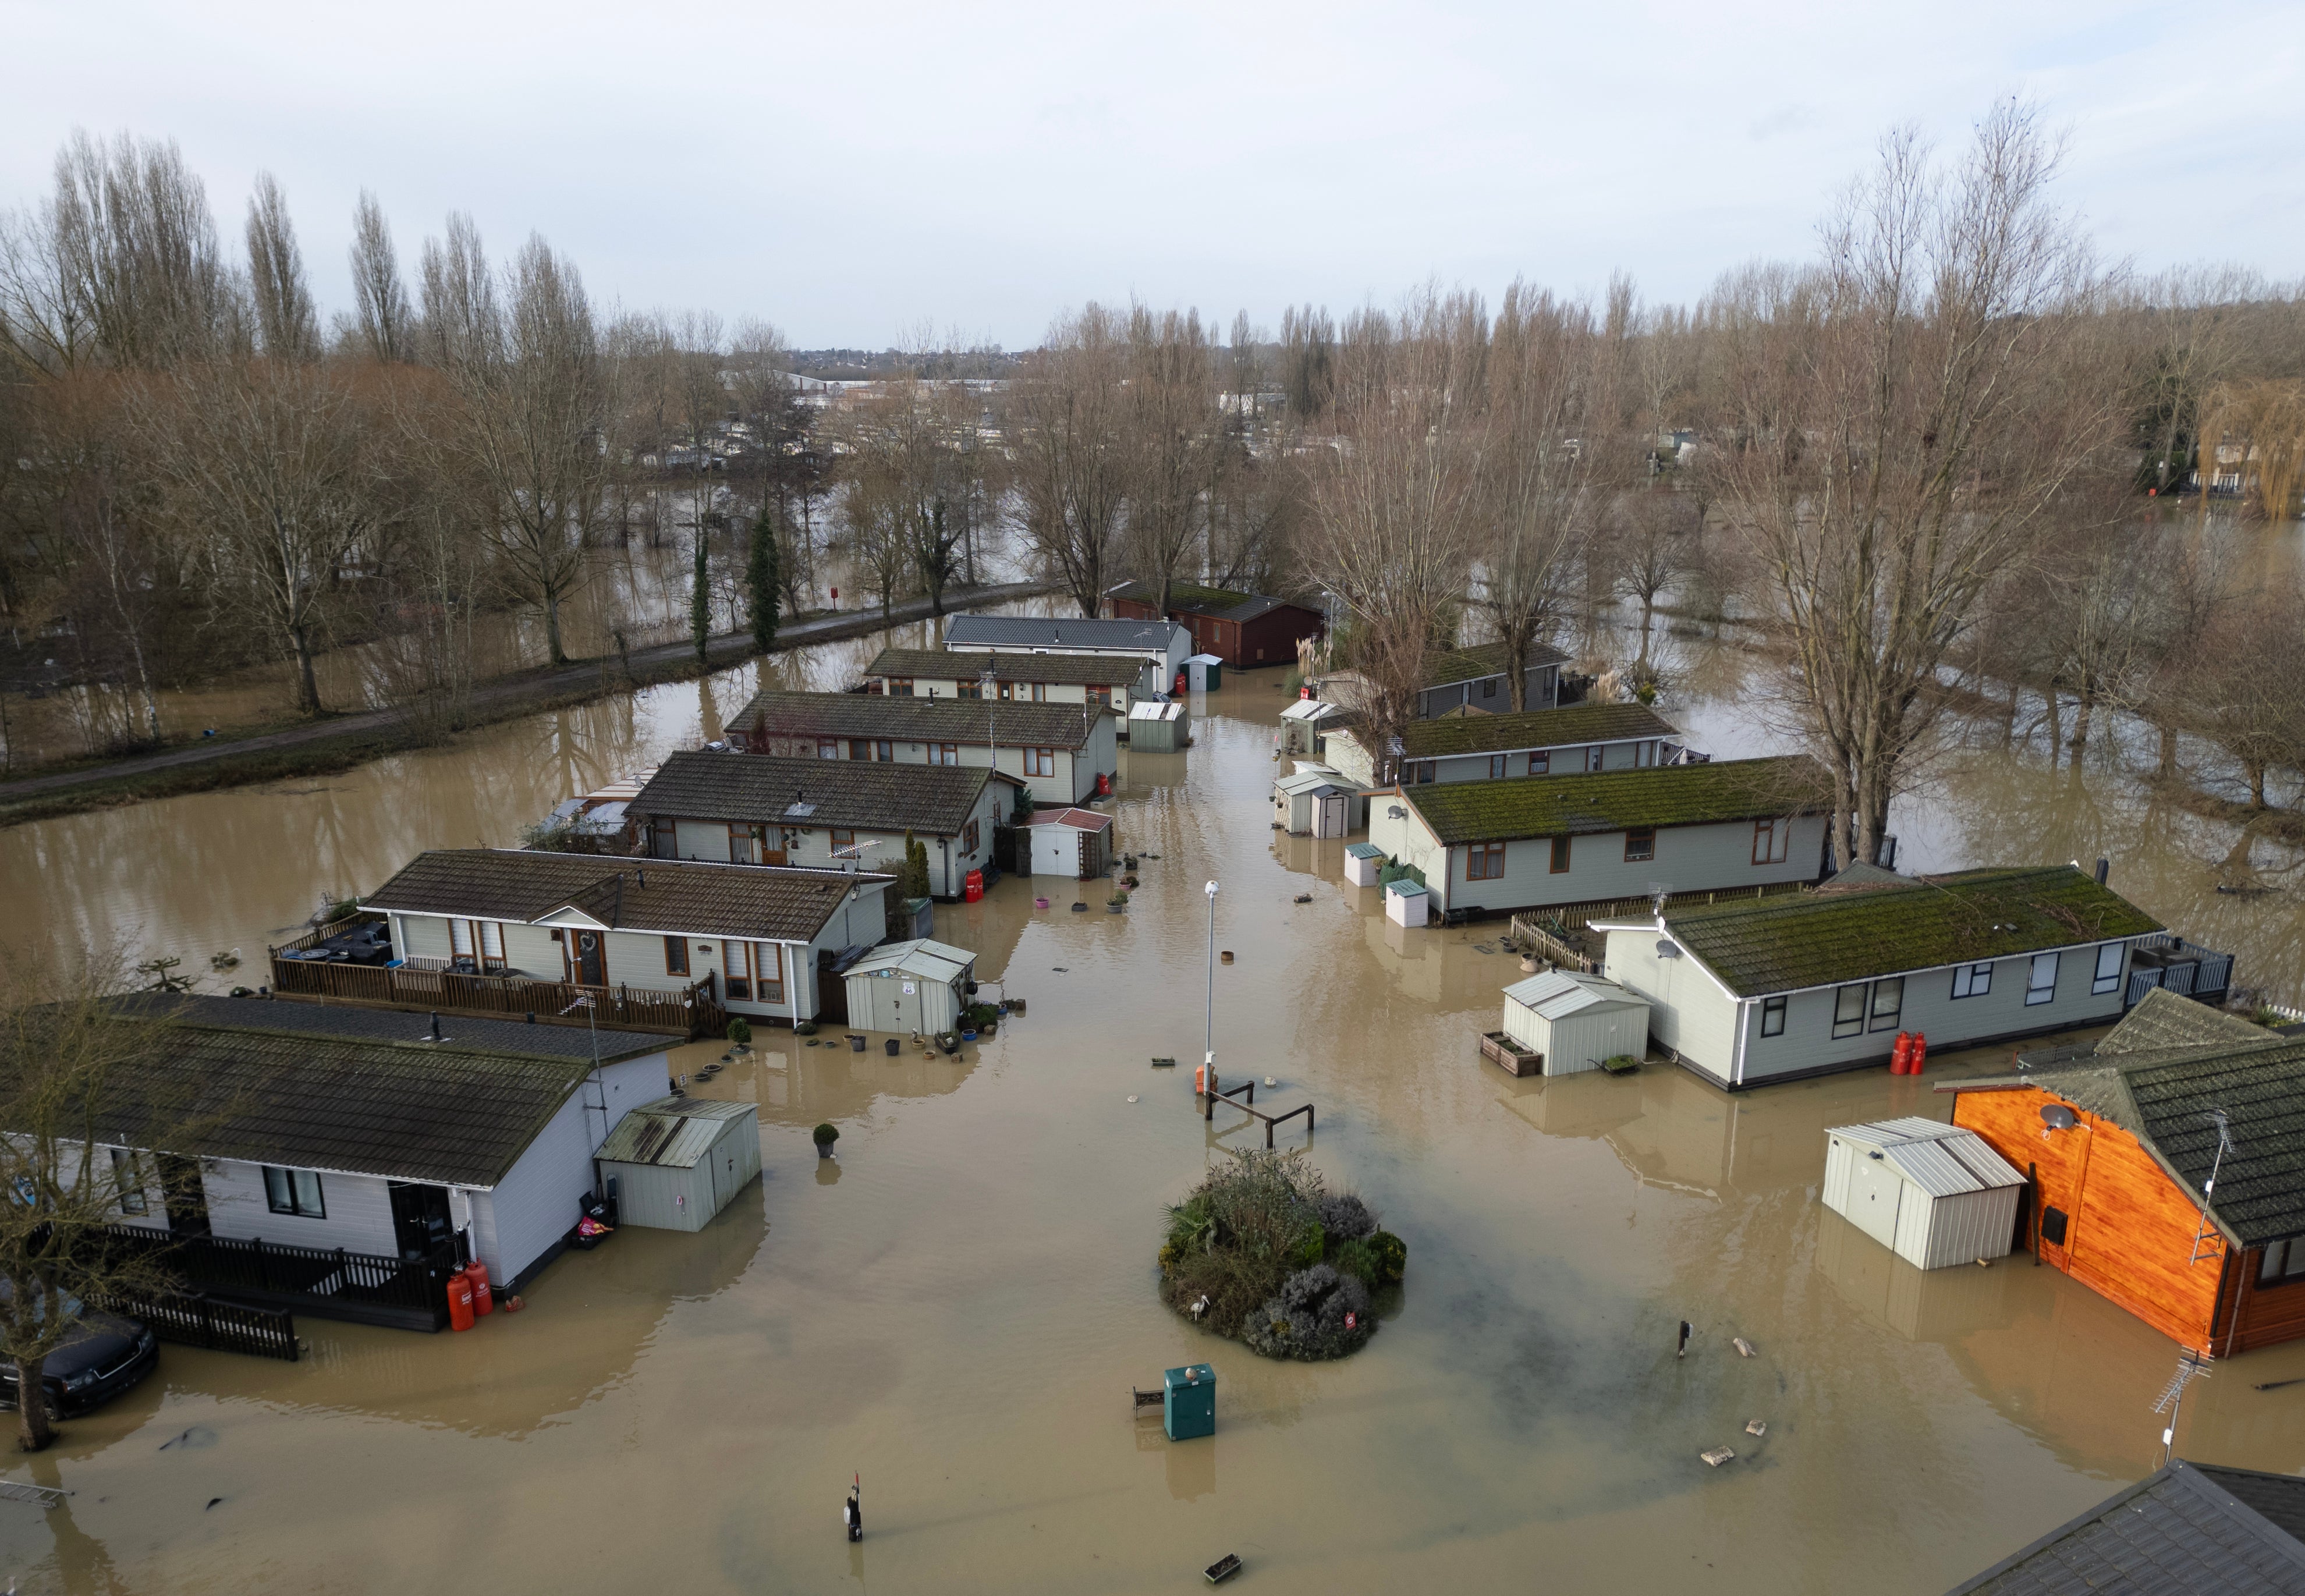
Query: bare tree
point(264, 470)
point(1177, 443)
point(287, 327)
point(1072, 463)
point(386, 321)
point(1912, 413)
point(524, 363)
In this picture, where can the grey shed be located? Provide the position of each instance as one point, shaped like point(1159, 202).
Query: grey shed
point(1157, 727)
point(677, 1161)
point(1576, 1020)
point(918, 985)
point(1934, 1194)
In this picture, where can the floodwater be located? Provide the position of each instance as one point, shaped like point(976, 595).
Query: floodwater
point(956, 1307)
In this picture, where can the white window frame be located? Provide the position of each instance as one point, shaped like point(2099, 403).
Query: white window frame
point(2036, 994)
point(2108, 981)
point(1973, 980)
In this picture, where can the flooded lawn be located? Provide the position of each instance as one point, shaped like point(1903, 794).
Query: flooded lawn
point(957, 1307)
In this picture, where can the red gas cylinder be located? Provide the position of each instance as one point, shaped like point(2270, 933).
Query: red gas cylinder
point(483, 1300)
point(1901, 1053)
point(460, 1301)
point(1199, 1080)
point(1304, 692)
point(1181, 681)
point(1103, 785)
point(971, 890)
point(1919, 1056)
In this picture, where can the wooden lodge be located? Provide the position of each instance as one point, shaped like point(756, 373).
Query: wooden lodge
point(2166, 1169)
point(1240, 629)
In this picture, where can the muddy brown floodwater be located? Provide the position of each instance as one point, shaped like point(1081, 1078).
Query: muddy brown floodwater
point(957, 1307)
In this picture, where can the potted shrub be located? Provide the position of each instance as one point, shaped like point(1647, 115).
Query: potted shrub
point(740, 1034)
point(1116, 902)
point(825, 1135)
point(805, 1028)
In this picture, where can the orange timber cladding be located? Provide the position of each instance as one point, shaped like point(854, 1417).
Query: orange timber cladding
point(2129, 1231)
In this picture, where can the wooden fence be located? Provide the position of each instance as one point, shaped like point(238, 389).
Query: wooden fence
point(689, 1011)
point(202, 1320)
point(366, 1288)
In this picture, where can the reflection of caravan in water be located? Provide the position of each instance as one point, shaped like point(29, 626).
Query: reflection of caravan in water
point(1916, 1303)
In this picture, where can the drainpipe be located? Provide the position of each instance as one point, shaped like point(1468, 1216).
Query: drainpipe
point(1737, 1054)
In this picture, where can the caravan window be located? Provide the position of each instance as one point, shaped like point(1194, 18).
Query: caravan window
point(1772, 840)
point(1972, 981)
point(1484, 861)
point(128, 1175)
point(294, 1192)
point(1848, 1011)
point(676, 955)
point(1540, 763)
point(1888, 1002)
point(2108, 969)
point(1773, 1017)
point(2041, 985)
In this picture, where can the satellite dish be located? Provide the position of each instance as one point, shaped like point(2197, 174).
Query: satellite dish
point(1668, 950)
point(2058, 1117)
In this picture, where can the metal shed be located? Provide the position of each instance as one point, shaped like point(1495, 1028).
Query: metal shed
point(1318, 800)
point(1203, 672)
point(1936, 1194)
point(1075, 843)
point(677, 1161)
point(911, 986)
point(1576, 1020)
point(1158, 728)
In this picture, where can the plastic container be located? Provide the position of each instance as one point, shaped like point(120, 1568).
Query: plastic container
point(1188, 1402)
point(855, 1044)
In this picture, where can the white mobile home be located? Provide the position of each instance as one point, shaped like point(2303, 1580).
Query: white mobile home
point(1064, 752)
point(403, 1138)
point(1481, 678)
point(828, 814)
point(749, 939)
point(677, 1161)
point(1576, 1020)
point(1808, 983)
point(1474, 747)
point(1540, 841)
point(1118, 680)
point(1936, 1194)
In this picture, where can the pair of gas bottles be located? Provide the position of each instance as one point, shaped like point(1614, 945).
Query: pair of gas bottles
point(1910, 1053)
point(468, 1295)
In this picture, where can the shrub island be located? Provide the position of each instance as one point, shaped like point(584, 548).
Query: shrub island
point(1262, 1253)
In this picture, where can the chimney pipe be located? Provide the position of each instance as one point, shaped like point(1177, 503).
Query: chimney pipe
point(436, 1026)
point(2103, 869)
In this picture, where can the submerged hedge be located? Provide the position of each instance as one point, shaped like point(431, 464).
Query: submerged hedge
point(1262, 1253)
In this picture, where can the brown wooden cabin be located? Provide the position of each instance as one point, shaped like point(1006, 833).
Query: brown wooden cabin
point(1241, 629)
point(2122, 1144)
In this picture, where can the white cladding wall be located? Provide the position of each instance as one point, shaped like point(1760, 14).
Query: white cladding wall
point(358, 1209)
point(948, 862)
point(1929, 1007)
point(1689, 1012)
point(1692, 857)
point(1490, 693)
point(534, 1205)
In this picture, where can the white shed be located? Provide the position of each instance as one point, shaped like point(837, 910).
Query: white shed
point(1936, 1194)
point(1406, 903)
point(910, 986)
point(1073, 843)
point(1317, 800)
point(677, 1161)
point(1363, 861)
point(1576, 1020)
point(1203, 671)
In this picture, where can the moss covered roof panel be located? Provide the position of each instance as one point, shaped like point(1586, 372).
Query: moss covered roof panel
point(1505, 810)
point(1580, 724)
point(1825, 939)
point(1484, 659)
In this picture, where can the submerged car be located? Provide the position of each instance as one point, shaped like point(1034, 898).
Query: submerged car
point(104, 1356)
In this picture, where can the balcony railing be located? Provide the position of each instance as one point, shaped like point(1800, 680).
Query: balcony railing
point(689, 1011)
point(331, 1283)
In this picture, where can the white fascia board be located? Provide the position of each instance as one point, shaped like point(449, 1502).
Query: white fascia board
point(1828, 986)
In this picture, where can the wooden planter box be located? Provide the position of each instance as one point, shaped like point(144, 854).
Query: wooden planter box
point(1510, 1056)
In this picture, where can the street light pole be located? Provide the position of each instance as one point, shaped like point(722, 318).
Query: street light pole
point(1209, 1031)
point(984, 685)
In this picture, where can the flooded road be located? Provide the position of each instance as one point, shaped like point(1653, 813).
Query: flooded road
point(957, 1306)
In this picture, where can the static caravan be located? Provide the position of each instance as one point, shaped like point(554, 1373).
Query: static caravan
point(1936, 1194)
point(1777, 987)
point(1158, 728)
point(1576, 1020)
point(1075, 843)
point(918, 986)
point(1471, 745)
point(679, 1161)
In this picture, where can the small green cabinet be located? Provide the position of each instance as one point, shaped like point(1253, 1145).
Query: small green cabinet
point(1188, 1401)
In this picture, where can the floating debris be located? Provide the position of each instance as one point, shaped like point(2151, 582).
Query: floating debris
point(1685, 1330)
point(1268, 1081)
point(1164, 1064)
point(47, 1496)
point(1744, 1347)
point(1756, 1426)
point(212, 1502)
point(1303, 897)
point(2274, 1385)
point(1132, 1097)
point(1223, 1568)
point(1718, 1455)
point(1060, 969)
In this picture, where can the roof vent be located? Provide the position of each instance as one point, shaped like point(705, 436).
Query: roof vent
point(799, 809)
point(435, 1035)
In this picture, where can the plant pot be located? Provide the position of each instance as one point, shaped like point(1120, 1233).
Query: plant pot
point(855, 1044)
point(893, 1048)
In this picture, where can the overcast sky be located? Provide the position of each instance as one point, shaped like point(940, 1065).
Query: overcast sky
point(852, 172)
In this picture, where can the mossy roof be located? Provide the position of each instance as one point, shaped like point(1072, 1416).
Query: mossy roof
point(1526, 806)
point(1824, 938)
point(1580, 724)
point(1484, 659)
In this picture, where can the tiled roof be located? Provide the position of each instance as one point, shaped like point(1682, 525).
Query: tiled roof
point(2191, 1528)
point(758, 902)
point(411, 1027)
point(1218, 604)
point(1577, 724)
point(2169, 1099)
point(447, 1113)
point(850, 795)
point(1066, 631)
point(1822, 938)
point(1086, 670)
point(798, 714)
point(1467, 811)
point(1484, 659)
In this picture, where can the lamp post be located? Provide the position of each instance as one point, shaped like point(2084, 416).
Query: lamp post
point(986, 685)
point(1209, 1030)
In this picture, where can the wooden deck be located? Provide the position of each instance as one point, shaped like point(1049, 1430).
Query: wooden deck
point(689, 1011)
